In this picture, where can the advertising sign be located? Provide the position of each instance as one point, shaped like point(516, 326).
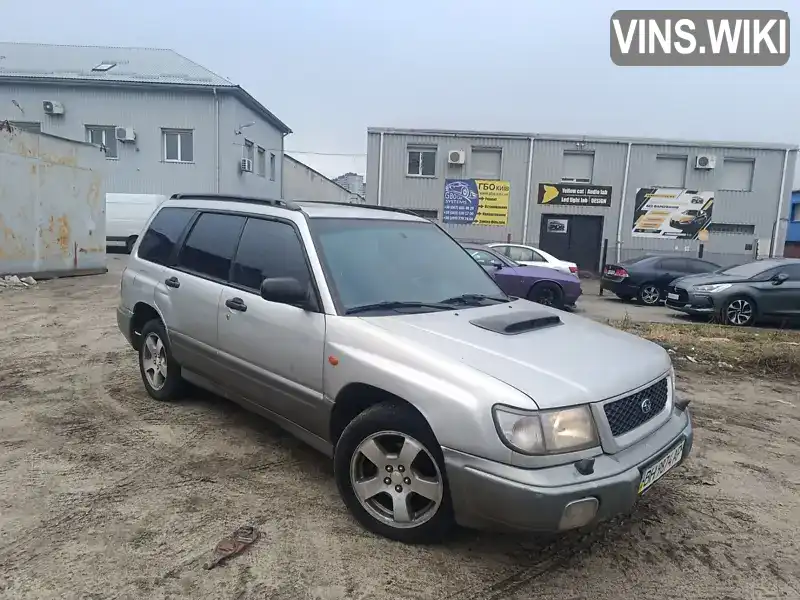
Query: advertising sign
point(574, 194)
point(672, 213)
point(476, 201)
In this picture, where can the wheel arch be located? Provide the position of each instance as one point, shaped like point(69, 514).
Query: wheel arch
point(143, 312)
point(354, 398)
point(542, 281)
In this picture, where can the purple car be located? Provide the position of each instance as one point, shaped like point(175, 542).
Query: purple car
point(538, 284)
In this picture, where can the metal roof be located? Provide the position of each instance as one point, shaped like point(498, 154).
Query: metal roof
point(116, 66)
point(458, 133)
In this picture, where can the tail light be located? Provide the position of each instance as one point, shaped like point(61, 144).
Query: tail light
point(614, 271)
point(573, 270)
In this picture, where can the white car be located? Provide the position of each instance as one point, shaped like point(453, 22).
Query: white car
point(533, 257)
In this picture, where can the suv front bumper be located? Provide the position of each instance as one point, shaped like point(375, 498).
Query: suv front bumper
point(491, 495)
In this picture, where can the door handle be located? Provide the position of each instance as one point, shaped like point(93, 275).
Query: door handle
point(172, 282)
point(236, 304)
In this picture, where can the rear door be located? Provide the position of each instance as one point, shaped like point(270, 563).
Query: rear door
point(669, 269)
point(274, 353)
point(785, 297)
point(190, 289)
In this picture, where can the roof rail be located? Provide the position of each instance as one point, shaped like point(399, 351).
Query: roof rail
point(404, 211)
point(234, 198)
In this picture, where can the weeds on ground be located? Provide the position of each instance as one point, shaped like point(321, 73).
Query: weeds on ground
point(718, 348)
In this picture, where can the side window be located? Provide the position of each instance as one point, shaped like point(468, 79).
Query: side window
point(518, 254)
point(269, 249)
point(161, 236)
point(674, 265)
point(537, 257)
point(210, 246)
point(793, 271)
point(483, 258)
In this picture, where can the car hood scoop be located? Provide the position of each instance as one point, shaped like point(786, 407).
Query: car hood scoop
point(517, 322)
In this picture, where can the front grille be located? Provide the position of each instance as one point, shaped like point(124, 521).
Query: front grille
point(683, 295)
point(632, 411)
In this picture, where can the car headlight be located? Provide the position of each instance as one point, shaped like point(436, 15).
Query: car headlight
point(712, 287)
point(547, 431)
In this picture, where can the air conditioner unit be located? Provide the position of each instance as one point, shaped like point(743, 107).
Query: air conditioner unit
point(52, 108)
point(246, 165)
point(456, 157)
point(125, 134)
point(705, 161)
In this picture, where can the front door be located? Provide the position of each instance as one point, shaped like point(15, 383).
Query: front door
point(275, 350)
point(575, 238)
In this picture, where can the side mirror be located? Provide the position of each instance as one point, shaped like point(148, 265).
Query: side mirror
point(496, 264)
point(284, 290)
point(780, 278)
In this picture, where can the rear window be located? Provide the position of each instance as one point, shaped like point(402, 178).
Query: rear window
point(163, 233)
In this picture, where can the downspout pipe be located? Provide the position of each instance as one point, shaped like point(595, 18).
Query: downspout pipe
point(283, 145)
point(622, 201)
point(777, 229)
point(216, 141)
point(528, 192)
point(380, 173)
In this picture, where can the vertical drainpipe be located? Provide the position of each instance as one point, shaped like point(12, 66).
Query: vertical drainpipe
point(283, 144)
point(528, 193)
point(776, 231)
point(216, 140)
point(380, 172)
point(622, 201)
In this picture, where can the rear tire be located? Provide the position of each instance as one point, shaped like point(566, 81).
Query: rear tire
point(381, 444)
point(649, 294)
point(161, 375)
point(548, 294)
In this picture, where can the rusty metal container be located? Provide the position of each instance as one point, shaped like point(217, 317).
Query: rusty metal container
point(52, 205)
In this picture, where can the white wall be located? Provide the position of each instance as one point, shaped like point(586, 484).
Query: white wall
point(300, 182)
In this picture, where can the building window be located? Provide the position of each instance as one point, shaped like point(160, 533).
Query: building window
point(421, 162)
point(262, 162)
point(737, 174)
point(577, 167)
point(424, 213)
point(249, 151)
point(796, 213)
point(732, 228)
point(271, 166)
point(104, 136)
point(486, 163)
point(670, 171)
point(178, 145)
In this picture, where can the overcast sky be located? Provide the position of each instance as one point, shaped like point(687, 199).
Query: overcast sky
point(331, 68)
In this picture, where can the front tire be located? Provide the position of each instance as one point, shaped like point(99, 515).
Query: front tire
point(161, 375)
point(390, 473)
point(649, 294)
point(739, 312)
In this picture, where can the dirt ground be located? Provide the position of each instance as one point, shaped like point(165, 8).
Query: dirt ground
point(105, 493)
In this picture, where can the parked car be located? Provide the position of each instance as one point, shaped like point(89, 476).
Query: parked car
point(372, 335)
point(534, 257)
point(126, 216)
point(691, 220)
point(647, 277)
point(743, 294)
point(537, 284)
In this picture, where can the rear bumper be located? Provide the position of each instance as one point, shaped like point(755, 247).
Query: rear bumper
point(495, 496)
point(620, 288)
point(124, 319)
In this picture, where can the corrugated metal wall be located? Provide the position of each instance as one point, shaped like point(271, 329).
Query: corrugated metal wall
point(303, 183)
point(52, 205)
point(140, 167)
point(757, 207)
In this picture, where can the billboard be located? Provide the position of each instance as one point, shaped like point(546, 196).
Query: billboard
point(574, 194)
point(672, 213)
point(476, 201)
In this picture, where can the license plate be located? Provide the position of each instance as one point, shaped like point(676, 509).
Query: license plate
point(673, 296)
point(657, 470)
point(610, 272)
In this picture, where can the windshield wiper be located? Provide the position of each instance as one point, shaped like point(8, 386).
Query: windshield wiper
point(473, 299)
point(392, 305)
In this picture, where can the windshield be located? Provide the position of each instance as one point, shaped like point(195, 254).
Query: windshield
point(372, 261)
point(747, 269)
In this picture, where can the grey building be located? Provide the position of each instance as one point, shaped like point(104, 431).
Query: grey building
point(166, 123)
point(353, 182)
point(572, 195)
point(301, 182)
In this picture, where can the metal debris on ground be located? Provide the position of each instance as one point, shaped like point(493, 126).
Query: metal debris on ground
point(233, 544)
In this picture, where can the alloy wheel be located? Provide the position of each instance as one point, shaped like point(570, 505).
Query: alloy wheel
point(650, 294)
point(154, 361)
point(396, 479)
point(739, 312)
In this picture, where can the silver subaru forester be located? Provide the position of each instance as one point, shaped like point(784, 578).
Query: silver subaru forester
point(375, 337)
